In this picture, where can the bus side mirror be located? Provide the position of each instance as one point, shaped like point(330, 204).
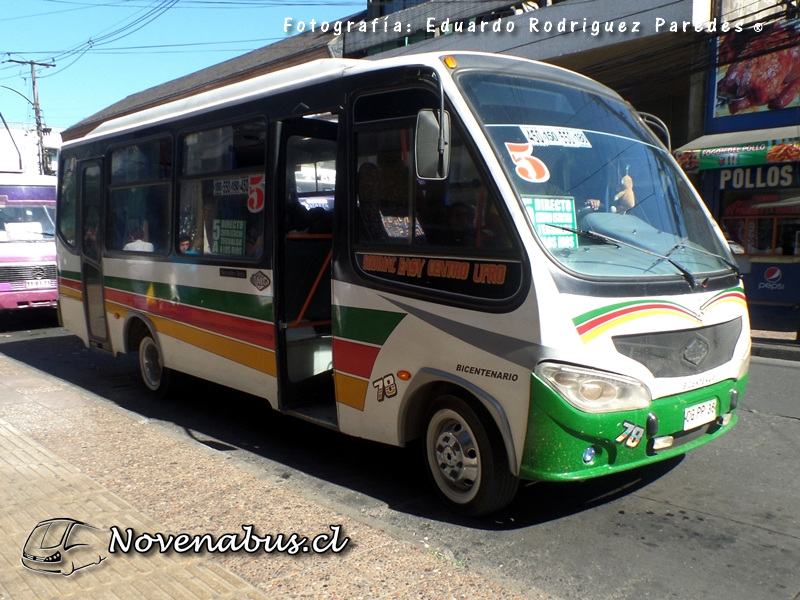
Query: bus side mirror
point(432, 145)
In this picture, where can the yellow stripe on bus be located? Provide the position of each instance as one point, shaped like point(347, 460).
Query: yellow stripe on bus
point(593, 333)
point(70, 293)
point(350, 391)
point(253, 357)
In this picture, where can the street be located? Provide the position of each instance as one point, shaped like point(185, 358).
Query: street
point(720, 523)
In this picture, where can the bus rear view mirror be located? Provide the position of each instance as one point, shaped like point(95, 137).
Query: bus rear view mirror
point(432, 148)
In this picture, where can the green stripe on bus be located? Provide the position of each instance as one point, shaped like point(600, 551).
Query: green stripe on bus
point(364, 324)
point(244, 305)
point(611, 308)
point(74, 275)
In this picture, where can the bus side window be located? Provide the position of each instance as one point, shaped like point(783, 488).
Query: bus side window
point(458, 211)
point(139, 199)
point(222, 194)
point(311, 184)
point(386, 194)
point(461, 211)
point(67, 215)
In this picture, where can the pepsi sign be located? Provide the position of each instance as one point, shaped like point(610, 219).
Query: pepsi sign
point(772, 278)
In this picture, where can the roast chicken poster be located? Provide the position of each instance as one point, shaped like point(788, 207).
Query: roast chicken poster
point(761, 71)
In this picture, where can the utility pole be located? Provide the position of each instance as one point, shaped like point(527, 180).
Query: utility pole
point(39, 129)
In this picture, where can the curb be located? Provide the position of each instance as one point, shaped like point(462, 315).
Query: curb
point(779, 351)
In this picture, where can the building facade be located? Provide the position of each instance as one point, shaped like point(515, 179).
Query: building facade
point(746, 165)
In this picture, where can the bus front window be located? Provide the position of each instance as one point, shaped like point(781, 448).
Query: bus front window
point(602, 195)
point(27, 213)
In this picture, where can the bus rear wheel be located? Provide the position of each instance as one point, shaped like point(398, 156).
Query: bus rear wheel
point(466, 460)
point(151, 365)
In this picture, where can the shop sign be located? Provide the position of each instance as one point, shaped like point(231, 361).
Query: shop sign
point(756, 178)
point(743, 155)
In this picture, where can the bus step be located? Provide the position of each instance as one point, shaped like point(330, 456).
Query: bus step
point(320, 414)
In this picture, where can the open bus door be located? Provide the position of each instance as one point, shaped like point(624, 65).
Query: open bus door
point(91, 211)
point(304, 245)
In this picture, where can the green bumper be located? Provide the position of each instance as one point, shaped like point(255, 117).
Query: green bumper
point(558, 434)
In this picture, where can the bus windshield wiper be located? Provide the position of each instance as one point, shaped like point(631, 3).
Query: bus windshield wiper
point(733, 266)
point(607, 239)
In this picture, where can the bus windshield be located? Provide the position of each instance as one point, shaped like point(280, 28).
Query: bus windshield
point(27, 213)
point(603, 196)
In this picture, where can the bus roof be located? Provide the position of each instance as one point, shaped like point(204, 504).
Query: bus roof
point(27, 180)
point(313, 72)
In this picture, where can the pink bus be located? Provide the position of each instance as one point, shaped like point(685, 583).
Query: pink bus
point(28, 275)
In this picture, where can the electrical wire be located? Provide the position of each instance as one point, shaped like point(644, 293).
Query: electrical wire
point(671, 58)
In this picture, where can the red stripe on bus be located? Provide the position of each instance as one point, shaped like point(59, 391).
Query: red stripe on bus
point(258, 333)
point(71, 283)
point(353, 358)
point(600, 320)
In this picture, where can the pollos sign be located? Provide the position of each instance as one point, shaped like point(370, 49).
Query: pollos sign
point(745, 178)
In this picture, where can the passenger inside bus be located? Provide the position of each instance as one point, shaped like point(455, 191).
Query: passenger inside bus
point(137, 243)
point(254, 241)
point(185, 245)
point(461, 228)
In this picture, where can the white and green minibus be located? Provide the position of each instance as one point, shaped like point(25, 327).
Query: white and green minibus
point(491, 255)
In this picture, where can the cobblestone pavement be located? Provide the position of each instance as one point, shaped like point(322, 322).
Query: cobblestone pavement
point(66, 455)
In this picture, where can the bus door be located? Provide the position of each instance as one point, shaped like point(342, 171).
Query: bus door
point(304, 205)
point(91, 210)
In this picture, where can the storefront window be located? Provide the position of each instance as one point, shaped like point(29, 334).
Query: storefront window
point(765, 223)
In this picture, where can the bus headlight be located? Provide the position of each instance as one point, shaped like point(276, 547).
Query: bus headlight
point(594, 391)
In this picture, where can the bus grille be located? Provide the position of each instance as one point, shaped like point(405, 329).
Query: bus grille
point(27, 272)
point(682, 353)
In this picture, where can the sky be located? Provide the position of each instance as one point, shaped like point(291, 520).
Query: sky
point(105, 50)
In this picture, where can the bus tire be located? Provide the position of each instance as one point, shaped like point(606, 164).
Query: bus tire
point(155, 375)
point(466, 460)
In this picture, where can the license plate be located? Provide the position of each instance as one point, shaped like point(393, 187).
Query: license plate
point(39, 283)
point(699, 414)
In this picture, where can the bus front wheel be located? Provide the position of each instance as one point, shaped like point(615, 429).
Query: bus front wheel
point(151, 364)
point(466, 460)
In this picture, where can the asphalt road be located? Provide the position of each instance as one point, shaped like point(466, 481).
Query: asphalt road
point(723, 522)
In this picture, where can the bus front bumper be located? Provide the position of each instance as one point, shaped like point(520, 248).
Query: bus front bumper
point(566, 444)
point(41, 297)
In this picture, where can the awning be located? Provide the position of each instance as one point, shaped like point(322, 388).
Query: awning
point(737, 138)
point(741, 149)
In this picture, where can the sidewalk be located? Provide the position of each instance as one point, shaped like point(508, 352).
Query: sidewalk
point(774, 344)
point(66, 455)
